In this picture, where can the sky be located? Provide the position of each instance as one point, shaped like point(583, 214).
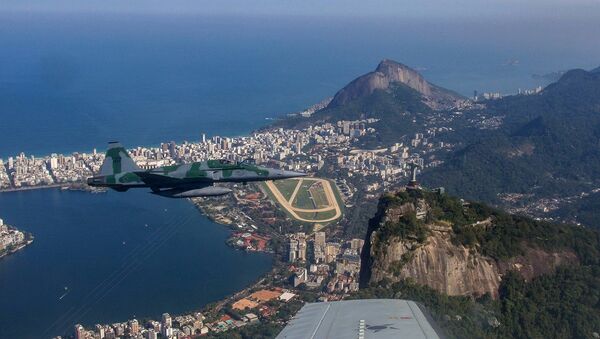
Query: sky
point(344, 8)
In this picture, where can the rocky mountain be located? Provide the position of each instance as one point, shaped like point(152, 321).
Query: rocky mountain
point(390, 72)
point(481, 272)
point(464, 248)
point(394, 94)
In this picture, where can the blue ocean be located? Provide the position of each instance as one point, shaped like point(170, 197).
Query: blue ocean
point(72, 82)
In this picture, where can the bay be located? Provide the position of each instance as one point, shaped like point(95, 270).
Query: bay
point(119, 255)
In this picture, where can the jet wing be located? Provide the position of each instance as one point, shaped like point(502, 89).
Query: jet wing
point(158, 180)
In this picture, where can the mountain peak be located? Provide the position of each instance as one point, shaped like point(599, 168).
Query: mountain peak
point(389, 63)
point(389, 72)
point(576, 82)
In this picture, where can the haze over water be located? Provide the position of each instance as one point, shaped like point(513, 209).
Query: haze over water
point(71, 82)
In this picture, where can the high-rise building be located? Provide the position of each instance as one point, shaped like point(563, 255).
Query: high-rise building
point(331, 252)
point(119, 329)
point(80, 332)
point(100, 331)
point(300, 276)
point(320, 239)
point(134, 326)
point(293, 249)
point(319, 247)
point(357, 245)
point(297, 247)
point(302, 249)
point(166, 320)
point(53, 163)
point(346, 127)
point(109, 333)
point(167, 331)
point(173, 149)
point(151, 334)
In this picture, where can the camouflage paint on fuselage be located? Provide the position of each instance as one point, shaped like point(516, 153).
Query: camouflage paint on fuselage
point(120, 173)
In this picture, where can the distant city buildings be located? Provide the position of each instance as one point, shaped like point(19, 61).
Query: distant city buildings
point(532, 91)
point(11, 239)
point(307, 149)
point(492, 95)
point(181, 327)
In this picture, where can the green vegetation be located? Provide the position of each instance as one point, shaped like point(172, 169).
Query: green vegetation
point(396, 108)
point(496, 233)
point(562, 305)
point(584, 210)
point(318, 195)
point(565, 304)
point(408, 227)
point(286, 187)
point(325, 215)
point(303, 198)
point(306, 215)
point(258, 331)
point(547, 145)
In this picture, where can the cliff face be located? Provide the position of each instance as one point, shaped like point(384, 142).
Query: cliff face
point(397, 72)
point(387, 73)
point(439, 262)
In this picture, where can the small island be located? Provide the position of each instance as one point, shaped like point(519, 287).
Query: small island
point(12, 240)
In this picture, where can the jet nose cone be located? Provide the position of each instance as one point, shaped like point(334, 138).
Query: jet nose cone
point(90, 181)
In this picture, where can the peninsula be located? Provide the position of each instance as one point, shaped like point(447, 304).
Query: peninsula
point(12, 240)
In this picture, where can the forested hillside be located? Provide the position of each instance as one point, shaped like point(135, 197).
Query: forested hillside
point(534, 298)
point(548, 144)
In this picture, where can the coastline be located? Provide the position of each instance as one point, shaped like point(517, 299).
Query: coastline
point(18, 248)
point(202, 297)
point(29, 188)
point(235, 226)
point(76, 186)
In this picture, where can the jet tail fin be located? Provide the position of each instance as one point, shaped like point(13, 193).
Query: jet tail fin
point(117, 160)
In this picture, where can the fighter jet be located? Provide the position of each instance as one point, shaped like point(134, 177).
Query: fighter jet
point(119, 172)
